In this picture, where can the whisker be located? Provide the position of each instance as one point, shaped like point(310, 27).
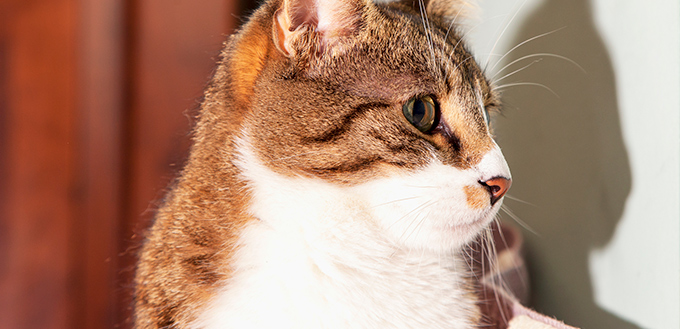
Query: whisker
point(504, 30)
point(395, 201)
point(519, 200)
point(545, 55)
point(463, 38)
point(409, 213)
point(523, 43)
point(461, 63)
point(515, 265)
point(424, 217)
point(446, 36)
point(515, 71)
point(453, 22)
point(518, 220)
point(493, 261)
point(415, 219)
point(491, 40)
point(526, 84)
point(428, 34)
point(460, 40)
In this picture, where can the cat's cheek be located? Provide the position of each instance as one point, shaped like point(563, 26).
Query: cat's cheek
point(438, 207)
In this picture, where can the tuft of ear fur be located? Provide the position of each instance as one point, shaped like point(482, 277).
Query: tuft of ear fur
point(327, 18)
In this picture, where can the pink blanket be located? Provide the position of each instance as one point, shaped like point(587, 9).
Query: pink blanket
point(505, 287)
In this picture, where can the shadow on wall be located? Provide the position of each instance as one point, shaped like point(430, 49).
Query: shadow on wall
point(567, 156)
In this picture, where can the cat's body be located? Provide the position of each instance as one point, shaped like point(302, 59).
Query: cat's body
point(341, 162)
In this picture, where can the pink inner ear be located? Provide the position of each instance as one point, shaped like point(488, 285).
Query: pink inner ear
point(302, 12)
point(333, 17)
point(338, 17)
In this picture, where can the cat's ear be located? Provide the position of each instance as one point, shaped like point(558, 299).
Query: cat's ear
point(329, 19)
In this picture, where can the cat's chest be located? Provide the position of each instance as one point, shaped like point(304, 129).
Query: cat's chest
point(316, 258)
point(279, 283)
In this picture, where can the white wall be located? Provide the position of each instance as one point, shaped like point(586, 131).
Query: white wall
point(598, 164)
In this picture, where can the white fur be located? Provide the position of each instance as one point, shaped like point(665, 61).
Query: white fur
point(428, 209)
point(379, 255)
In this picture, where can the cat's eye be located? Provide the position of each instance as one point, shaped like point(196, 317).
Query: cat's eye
point(421, 112)
point(487, 119)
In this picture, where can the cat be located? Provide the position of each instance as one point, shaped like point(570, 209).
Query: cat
point(341, 161)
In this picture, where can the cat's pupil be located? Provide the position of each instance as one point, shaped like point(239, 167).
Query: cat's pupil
point(418, 111)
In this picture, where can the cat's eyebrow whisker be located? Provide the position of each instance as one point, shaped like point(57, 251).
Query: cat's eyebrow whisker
point(463, 38)
point(523, 43)
point(518, 220)
point(515, 71)
point(526, 84)
point(537, 55)
point(504, 30)
point(461, 63)
point(446, 36)
point(428, 32)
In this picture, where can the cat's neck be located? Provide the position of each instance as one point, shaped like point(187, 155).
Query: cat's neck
point(315, 260)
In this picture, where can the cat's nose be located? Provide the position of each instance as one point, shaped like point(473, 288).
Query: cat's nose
point(497, 187)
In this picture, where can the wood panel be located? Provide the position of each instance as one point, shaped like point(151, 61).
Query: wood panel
point(96, 98)
point(101, 33)
point(39, 182)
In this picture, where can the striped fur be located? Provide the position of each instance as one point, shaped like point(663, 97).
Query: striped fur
point(308, 200)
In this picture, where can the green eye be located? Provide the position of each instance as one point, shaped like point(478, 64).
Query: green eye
point(421, 113)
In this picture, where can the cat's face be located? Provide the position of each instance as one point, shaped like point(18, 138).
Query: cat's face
point(388, 106)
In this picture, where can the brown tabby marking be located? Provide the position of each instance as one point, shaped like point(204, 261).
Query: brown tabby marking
point(477, 197)
point(361, 135)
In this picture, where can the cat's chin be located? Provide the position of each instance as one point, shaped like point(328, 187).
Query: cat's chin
point(450, 237)
point(463, 234)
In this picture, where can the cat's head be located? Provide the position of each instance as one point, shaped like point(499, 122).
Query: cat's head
point(381, 101)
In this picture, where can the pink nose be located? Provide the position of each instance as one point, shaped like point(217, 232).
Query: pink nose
point(497, 187)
